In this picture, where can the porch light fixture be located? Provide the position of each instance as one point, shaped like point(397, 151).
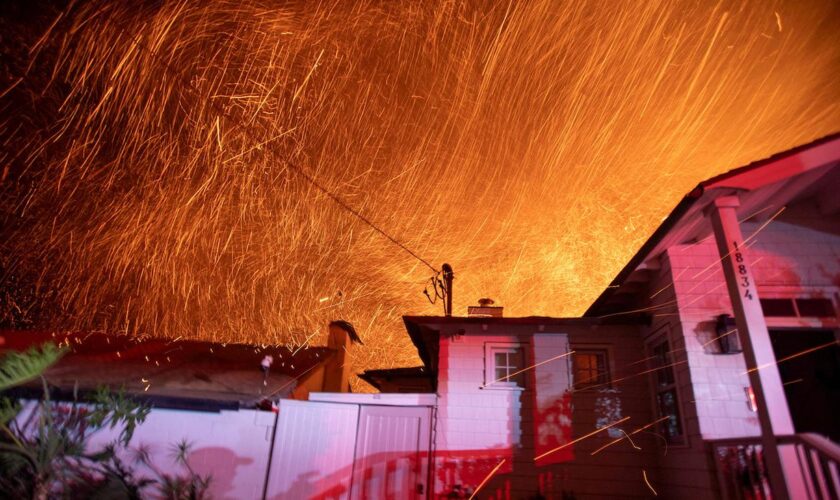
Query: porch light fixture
point(752, 404)
point(726, 336)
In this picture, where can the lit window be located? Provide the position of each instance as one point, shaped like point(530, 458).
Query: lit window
point(590, 368)
point(667, 401)
point(504, 365)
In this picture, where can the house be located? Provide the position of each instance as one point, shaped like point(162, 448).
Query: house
point(489, 409)
point(719, 334)
point(175, 373)
point(206, 393)
point(708, 368)
point(760, 243)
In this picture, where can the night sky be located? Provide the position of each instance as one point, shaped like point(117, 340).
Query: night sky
point(215, 170)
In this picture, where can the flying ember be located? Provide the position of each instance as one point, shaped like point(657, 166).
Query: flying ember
point(241, 171)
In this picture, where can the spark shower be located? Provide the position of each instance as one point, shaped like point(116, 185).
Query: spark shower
point(152, 153)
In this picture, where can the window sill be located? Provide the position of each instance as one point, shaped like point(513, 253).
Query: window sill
point(592, 390)
point(501, 386)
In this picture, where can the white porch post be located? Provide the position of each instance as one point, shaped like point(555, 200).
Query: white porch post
point(766, 383)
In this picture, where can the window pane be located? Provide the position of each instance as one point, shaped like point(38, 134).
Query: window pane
point(584, 361)
point(517, 359)
point(516, 362)
point(665, 376)
point(777, 307)
point(590, 368)
point(662, 354)
point(668, 407)
point(601, 365)
point(662, 359)
point(820, 308)
point(582, 377)
point(503, 362)
point(501, 359)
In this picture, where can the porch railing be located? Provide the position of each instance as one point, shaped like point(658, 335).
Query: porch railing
point(742, 474)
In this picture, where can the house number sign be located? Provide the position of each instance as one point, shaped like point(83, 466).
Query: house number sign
point(743, 274)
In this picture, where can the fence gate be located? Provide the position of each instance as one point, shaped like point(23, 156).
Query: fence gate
point(350, 451)
point(392, 452)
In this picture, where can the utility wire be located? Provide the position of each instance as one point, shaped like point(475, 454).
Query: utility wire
point(238, 123)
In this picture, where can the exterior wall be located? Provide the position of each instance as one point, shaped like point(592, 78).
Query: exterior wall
point(313, 383)
point(618, 471)
point(230, 446)
point(684, 470)
point(719, 381)
point(478, 427)
point(798, 254)
point(795, 255)
point(788, 258)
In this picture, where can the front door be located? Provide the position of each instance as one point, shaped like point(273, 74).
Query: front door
point(811, 379)
point(392, 452)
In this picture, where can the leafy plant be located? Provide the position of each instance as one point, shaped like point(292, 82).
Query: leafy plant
point(115, 409)
point(18, 368)
point(47, 452)
point(192, 486)
point(45, 449)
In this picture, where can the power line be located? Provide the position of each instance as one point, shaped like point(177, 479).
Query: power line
point(187, 83)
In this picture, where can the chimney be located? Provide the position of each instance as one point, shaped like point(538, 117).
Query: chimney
point(485, 309)
point(342, 336)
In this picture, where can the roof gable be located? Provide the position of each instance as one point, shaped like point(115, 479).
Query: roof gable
point(762, 186)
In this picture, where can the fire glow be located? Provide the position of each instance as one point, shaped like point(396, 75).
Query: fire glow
point(533, 146)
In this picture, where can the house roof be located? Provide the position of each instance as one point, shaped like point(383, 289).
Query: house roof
point(523, 320)
point(377, 378)
point(808, 170)
point(170, 373)
point(425, 335)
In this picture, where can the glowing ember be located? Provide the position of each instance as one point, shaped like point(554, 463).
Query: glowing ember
point(533, 146)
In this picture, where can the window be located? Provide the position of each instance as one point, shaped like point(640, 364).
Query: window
point(800, 307)
point(820, 308)
point(503, 366)
point(667, 401)
point(777, 308)
point(590, 368)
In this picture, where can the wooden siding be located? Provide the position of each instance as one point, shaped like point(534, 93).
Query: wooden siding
point(483, 425)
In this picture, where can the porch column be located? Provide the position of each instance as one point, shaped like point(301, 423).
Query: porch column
point(773, 414)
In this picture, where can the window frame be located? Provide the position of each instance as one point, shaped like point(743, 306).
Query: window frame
point(785, 292)
point(831, 305)
point(490, 350)
point(796, 307)
point(659, 337)
point(608, 368)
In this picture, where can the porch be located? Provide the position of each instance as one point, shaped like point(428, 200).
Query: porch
point(742, 473)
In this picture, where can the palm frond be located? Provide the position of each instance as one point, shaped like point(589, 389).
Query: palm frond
point(8, 410)
point(19, 367)
point(11, 461)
